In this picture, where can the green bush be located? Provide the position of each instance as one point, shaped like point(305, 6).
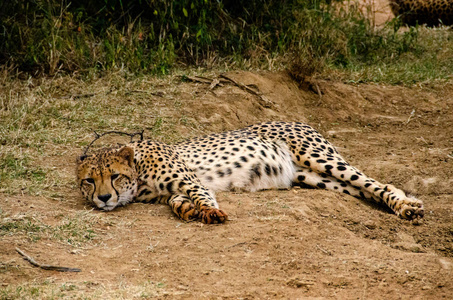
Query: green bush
point(150, 36)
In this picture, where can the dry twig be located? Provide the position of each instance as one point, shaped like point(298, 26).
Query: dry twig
point(264, 101)
point(410, 116)
point(157, 94)
point(98, 136)
point(215, 82)
point(46, 267)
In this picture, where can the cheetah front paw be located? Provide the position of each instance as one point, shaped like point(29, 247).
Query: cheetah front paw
point(213, 216)
point(190, 215)
point(185, 210)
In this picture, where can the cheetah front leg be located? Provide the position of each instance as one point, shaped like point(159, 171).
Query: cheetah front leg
point(204, 202)
point(183, 207)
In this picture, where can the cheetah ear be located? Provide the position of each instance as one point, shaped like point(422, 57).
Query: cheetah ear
point(128, 154)
point(81, 158)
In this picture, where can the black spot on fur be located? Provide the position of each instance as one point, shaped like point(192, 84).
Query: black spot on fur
point(255, 172)
point(321, 185)
point(267, 169)
point(170, 187)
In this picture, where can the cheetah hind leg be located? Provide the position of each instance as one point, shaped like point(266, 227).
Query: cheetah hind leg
point(307, 177)
point(404, 206)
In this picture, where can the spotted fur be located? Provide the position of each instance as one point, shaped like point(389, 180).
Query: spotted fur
point(263, 156)
point(429, 12)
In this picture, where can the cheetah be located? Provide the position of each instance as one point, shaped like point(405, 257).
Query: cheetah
point(272, 155)
point(429, 12)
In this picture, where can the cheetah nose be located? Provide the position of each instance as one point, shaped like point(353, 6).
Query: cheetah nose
point(104, 198)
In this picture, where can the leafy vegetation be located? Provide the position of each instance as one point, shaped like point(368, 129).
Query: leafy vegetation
point(82, 37)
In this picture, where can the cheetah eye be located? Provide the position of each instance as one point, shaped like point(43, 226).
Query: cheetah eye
point(115, 176)
point(89, 180)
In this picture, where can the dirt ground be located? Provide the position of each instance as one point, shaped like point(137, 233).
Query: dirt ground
point(292, 244)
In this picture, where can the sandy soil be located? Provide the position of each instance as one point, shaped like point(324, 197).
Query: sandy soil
point(297, 243)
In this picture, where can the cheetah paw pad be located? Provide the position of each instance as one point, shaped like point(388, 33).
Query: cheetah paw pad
point(213, 216)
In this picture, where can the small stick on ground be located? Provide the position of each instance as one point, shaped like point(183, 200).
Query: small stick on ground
point(215, 82)
point(410, 116)
point(324, 251)
point(319, 91)
point(198, 79)
point(264, 101)
point(158, 93)
point(46, 267)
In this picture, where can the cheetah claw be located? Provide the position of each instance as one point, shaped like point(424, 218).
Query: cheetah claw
point(413, 213)
point(190, 215)
point(213, 216)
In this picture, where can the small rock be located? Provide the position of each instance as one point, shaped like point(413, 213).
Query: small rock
point(412, 247)
point(445, 263)
point(370, 225)
point(297, 283)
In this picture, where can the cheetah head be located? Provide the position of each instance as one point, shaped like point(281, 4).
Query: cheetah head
point(108, 178)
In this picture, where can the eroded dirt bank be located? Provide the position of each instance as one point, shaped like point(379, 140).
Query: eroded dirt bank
point(278, 244)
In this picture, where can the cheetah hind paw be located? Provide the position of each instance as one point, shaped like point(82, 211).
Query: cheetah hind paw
point(213, 216)
point(413, 212)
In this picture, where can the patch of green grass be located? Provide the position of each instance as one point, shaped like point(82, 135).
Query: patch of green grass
point(77, 230)
point(83, 290)
point(29, 228)
point(430, 59)
point(43, 290)
point(16, 172)
point(72, 230)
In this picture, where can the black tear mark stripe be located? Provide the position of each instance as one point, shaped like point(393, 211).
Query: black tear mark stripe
point(116, 192)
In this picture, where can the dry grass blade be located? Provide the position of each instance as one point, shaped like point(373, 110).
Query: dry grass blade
point(79, 96)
